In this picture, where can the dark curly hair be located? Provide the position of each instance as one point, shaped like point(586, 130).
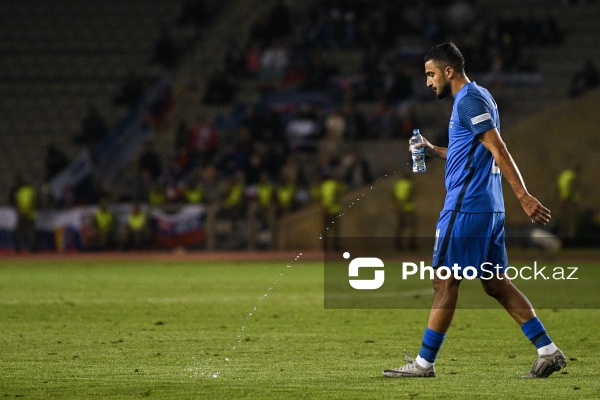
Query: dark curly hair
point(446, 54)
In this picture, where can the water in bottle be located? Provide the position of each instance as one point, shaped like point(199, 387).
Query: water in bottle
point(418, 155)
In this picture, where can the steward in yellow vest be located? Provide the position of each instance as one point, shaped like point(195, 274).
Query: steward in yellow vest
point(331, 191)
point(406, 223)
point(24, 199)
point(286, 192)
point(104, 226)
point(138, 233)
point(568, 195)
point(194, 194)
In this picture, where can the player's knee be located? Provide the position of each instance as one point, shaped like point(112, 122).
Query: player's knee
point(443, 286)
point(495, 287)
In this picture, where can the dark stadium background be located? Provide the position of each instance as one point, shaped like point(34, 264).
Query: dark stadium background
point(133, 101)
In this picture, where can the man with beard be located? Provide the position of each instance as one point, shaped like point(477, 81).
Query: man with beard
point(470, 231)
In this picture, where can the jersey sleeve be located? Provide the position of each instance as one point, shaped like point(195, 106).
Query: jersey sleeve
point(475, 114)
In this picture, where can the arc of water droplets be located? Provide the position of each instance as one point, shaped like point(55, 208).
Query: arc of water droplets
point(241, 335)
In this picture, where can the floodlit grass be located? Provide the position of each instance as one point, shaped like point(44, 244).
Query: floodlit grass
point(77, 330)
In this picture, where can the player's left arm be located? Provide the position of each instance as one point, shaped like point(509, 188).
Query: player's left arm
point(492, 141)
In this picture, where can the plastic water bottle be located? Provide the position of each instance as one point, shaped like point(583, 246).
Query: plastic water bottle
point(418, 155)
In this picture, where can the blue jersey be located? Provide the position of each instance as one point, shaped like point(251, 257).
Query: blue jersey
point(473, 180)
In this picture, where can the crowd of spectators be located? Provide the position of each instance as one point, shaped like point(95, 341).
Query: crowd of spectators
point(285, 52)
point(281, 52)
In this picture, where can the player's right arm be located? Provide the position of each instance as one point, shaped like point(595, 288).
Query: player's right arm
point(430, 150)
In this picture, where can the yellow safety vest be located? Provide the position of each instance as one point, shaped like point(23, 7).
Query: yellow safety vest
point(194, 195)
point(330, 189)
point(25, 199)
point(285, 195)
point(235, 196)
point(403, 193)
point(565, 182)
point(136, 221)
point(265, 194)
point(156, 197)
point(104, 220)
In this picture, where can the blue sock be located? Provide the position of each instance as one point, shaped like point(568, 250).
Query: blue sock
point(432, 341)
point(536, 333)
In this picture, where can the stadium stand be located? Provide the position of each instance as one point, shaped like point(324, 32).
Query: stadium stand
point(290, 66)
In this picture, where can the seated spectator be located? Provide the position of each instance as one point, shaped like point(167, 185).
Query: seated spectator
point(203, 141)
point(131, 90)
point(304, 130)
point(149, 160)
point(56, 161)
point(358, 171)
point(356, 123)
point(165, 50)
point(253, 60)
point(585, 79)
point(274, 61)
point(219, 89)
point(279, 20)
point(234, 61)
point(93, 128)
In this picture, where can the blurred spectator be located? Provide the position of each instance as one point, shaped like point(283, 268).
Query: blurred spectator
point(335, 126)
point(274, 60)
point(358, 171)
point(318, 74)
point(136, 233)
point(156, 195)
point(460, 16)
point(149, 160)
point(234, 205)
point(332, 189)
point(356, 123)
point(182, 134)
point(585, 79)
point(304, 129)
point(211, 184)
point(93, 128)
point(384, 121)
point(131, 90)
point(165, 50)
point(399, 87)
point(23, 198)
point(234, 61)
point(203, 141)
point(279, 20)
point(138, 186)
point(286, 193)
point(407, 120)
point(104, 227)
point(253, 60)
point(219, 89)
point(55, 161)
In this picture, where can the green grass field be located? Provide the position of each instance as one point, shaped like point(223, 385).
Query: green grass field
point(183, 330)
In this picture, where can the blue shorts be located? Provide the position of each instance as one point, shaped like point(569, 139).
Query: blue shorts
point(470, 239)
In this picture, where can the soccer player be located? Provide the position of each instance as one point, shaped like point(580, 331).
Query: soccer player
point(470, 230)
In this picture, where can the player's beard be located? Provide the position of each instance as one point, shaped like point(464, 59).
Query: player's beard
point(444, 91)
